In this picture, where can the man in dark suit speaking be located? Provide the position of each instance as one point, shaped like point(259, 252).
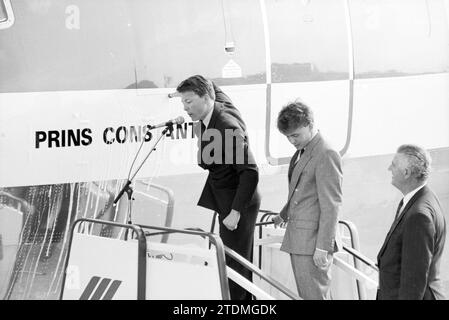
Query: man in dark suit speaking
point(231, 186)
point(409, 260)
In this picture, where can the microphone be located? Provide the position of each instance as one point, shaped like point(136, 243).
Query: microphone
point(178, 120)
point(174, 94)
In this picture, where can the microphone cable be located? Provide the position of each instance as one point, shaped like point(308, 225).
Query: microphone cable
point(135, 157)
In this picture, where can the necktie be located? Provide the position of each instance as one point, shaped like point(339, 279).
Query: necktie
point(201, 143)
point(295, 158)
point(298, 156)
point(399, 208)
point(203, 127)
point(300, 153)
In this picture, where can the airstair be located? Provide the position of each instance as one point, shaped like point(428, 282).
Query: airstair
point(160, 263)
point(150, 259)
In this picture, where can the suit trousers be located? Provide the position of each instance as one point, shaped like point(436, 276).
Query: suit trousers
point(313, 283)
point(428, 295)
point(241, 240)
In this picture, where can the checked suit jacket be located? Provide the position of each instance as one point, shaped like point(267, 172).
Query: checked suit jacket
point(314, 200)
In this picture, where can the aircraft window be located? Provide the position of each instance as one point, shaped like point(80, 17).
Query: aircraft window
point(308, 40)
point(221, 39)
point(399, 38)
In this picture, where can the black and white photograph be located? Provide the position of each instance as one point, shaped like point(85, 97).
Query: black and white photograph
point(224, 156)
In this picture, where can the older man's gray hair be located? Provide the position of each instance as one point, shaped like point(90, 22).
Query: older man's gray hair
point(419, 161)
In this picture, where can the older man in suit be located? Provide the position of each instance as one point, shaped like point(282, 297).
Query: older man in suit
point(231, 186)
point(409, 260)
point(314, 199)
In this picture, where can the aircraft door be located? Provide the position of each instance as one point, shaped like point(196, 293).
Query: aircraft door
point(310, 59)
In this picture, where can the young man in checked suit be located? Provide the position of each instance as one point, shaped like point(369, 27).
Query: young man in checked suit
point(314, 200)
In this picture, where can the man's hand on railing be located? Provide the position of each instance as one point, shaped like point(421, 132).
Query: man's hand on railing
point(277, 220)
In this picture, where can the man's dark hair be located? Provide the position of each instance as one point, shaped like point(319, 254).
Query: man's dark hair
point(294, 115)
point(198, 84)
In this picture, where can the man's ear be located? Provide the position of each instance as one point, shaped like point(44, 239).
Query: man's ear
point(207, 99)
point(407, 173)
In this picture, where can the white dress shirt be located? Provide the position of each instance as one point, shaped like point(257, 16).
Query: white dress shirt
point(299, 154)
point(408, 196)
point(206, 119)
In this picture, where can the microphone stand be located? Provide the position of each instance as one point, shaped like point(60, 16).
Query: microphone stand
point(128, 189)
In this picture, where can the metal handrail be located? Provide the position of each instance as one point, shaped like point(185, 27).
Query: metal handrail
point(262, 222)
point(151, 234)
point(220, 252)
point(353, 251)
point(361, 257)
point(354, 273)
point(141, 258)
point(250, 266)
point(212, 226)
point(258, 272)
point(354, 237)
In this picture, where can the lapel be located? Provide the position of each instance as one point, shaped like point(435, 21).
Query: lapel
point(197, 130)
point(212, 122)
point(201, 143)
point(399, 219)
point(215, 113)
point(301, 164)
point(292, 165)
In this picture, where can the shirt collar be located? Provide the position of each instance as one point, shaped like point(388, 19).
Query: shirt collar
point(300, 153)
point(206, 119)
point(313, 137)
point(409, 195)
